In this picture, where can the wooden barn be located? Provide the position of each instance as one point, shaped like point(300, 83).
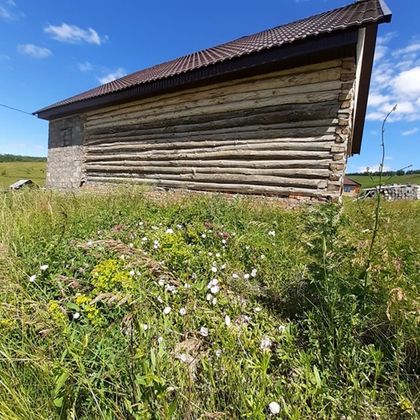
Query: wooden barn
point(276, 113)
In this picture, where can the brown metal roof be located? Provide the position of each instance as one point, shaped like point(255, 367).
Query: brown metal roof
point(355, 15)
point(349, 181)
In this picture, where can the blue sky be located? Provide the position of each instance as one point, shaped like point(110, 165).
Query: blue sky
point(50, 50)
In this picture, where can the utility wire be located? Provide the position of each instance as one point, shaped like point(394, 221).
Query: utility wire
point(16, 109)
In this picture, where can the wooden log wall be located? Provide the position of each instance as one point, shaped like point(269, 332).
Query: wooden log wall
point(282, 133)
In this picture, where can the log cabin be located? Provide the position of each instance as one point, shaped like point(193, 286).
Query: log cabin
point(274, 113)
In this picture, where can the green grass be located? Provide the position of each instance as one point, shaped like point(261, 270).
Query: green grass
point(293, 321)
point(368, 181)
point(11, 172)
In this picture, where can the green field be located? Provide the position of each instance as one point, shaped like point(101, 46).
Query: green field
point(143, 305)
point(368, 182)
point(11, 172)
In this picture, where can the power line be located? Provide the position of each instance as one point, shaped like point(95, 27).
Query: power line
point(18, 110)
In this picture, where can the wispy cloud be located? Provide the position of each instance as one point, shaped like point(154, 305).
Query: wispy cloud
point(113, 75)
point(34, 51)
point(85, 66)
point(4, 57)
point(395, 80)
point(372, 168)
point(410, 132)
point(72, 34)
point(9, 10)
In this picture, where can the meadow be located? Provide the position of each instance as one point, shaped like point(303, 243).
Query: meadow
point(11, 172)
point(142, 305)
point(371, 181)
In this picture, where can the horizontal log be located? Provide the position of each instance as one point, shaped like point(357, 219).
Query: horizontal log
point(243, 163)
point(228, 104)
point(235, 154)
point(218, 187)
point(223, 178)
point(296, 173)
point(297, 116)
point(195, 148)
point(243, 133)
point(301, 75)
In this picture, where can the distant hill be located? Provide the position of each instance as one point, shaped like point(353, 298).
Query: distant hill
point(19, 158)
point(369, 181)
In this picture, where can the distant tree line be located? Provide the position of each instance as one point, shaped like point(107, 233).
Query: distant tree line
point(400, 172)
point(18, 158)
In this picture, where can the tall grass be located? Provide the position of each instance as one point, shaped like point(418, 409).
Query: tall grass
point(290, 319)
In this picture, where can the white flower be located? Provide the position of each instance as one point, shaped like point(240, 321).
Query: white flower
point(170, 288)
point(169, 231)
point(203, 235)
point(89, 243)
point(131, 245)
point(246, 276)
point(224, 241)
point(263, 257)
point(167, 310)
point(187, 286)
point(155, 228)
point(140, 223)
point(210, 254)
point(145, 327)
point(274, 408)
point(144, 239)
point(235, 276)
point(223, 266)
point(282, 328)
point(160, 340)
point(214, 269)
point(179, 226)
point(194, 276)
point(182, 311)
point(215, 289)
point(217, 256)
point(227, 320)
point(204, 331)
point(155, 244)
point(32, 278)
point(272, 233)
point(160, 300)
point(247, 247)
point(265, 344)
point(132, 273)
point(218, 352)
point(257, 309)
point(44, 267)
point(76, 315)
point(209, 296)
point(253, 272)
point(214, 301)
point(161, 282)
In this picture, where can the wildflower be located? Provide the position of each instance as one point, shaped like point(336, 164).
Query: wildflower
point(223, 266)
point(160, 300)
point(169, 231)
point(167, 310)
point(227, 320)
point(204, 331)
point(132, 273)
point(210, 254)
point(247, 247)
point(215, 289)
point(265, 344)
point(182, 311)
point(179, 226)
point(282, 328)
point(214, 301)
point(272, 233)
point(193, 276)
point(131, 245)
point(44, 267)
point(140, 223)
point(246, 276)
point(224, 241)
point(254, 272)
point(76, 315)
point(257, 309)
point(160, 340)
point(209, 296)
point(218, 352)
point(274, 408)
point(235, 276)
point(187, 286)
point(214, 269)
point(203, 235)
point(32, 278)
point(144, 239)
point(155, 228)
point(155, 244)
point(170, 288)
point(263, 257)
point(161, 282)
point(89, 243)
point(145, 327)
point(217, 255)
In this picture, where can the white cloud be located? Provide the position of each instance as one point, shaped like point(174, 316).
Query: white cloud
point(8, 10)
point(410, 132)
point(395, 80)
point(85, 66)
point(34, 51)
point(388, 157)
point(72, 34)
point(372, 168)
point(114, 75)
